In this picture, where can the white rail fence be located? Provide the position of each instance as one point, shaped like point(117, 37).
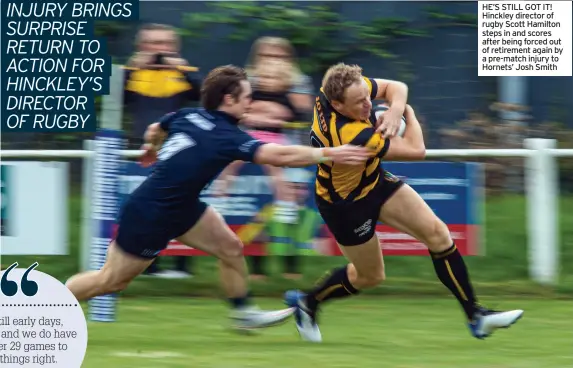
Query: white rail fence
point(542, 190)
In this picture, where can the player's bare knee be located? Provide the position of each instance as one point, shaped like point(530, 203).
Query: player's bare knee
point(231, 248)
point(370, 279)
point(112, 282)
point(118, 286)
point(377, 278)
point(437, 237)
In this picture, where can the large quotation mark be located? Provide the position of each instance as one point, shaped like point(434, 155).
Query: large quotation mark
point(10, 288)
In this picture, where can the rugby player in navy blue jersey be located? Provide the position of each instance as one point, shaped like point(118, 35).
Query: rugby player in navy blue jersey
point(192, 146)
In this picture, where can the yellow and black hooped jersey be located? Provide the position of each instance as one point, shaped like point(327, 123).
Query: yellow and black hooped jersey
point(337, 183)
point(152, 93)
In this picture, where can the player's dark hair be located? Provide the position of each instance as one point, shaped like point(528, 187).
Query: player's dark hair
point(221, 81)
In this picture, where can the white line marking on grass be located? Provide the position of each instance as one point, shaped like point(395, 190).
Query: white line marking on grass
point(147, 354)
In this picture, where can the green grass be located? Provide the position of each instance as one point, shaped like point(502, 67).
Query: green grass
point(362, 332)
point(412, 324)
point(502, 271)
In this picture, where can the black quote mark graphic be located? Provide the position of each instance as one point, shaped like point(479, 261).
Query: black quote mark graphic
point(10, 288)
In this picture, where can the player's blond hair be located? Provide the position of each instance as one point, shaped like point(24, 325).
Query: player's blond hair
point(338, 78)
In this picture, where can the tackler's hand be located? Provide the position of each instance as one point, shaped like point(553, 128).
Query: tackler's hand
point(154, 134)
point(348, 155)
point(149, 155)
point(389, 122)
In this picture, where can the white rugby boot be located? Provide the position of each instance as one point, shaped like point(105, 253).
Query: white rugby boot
point(248, 318)
point(486, 321)
point(305, 320)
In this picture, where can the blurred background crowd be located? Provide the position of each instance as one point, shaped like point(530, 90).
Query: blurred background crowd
point(285, 48)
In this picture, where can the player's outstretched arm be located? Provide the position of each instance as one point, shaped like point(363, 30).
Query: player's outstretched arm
point(300, 156)
point(411, 147)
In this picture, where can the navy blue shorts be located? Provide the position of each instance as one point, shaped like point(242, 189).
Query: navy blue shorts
point(145, 234)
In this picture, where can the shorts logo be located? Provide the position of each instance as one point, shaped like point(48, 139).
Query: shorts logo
point(390, 177)
point(150, 253)
point(364, 229)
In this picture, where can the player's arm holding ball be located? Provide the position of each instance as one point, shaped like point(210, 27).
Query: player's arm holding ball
point(410, 146)
point(396, 93)
point(407, 145)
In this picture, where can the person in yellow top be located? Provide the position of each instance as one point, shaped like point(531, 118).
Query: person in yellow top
point(352, 199)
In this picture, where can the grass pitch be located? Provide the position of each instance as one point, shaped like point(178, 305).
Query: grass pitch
point(364, 332)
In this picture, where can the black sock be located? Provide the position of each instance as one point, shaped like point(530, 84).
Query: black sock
point(240, 302)
point(452, 272)
point(153, 268)
point(333, 286)
point(291, 264)
point(257, 264)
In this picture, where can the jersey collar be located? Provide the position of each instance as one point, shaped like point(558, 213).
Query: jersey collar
point(230, 118)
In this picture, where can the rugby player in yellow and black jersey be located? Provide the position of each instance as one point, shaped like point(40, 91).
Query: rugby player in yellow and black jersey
point(352, 199)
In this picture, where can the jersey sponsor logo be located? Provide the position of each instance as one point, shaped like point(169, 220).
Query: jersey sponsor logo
point(129, 183)
point(321, 119)
point(175, 144)
point(200, 121)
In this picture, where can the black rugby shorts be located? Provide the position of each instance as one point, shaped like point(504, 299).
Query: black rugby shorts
point(354, 223)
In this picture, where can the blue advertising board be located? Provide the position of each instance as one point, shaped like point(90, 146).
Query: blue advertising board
point(453, 190)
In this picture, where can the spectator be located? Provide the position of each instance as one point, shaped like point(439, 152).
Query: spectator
point(299, 90)
point(269, 114)
point(269, 48)
point(157, 81)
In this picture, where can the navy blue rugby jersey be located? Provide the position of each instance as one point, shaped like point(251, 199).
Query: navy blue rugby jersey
point(199, 145)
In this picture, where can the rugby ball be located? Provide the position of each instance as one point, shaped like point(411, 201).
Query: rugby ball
point(380, 109)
